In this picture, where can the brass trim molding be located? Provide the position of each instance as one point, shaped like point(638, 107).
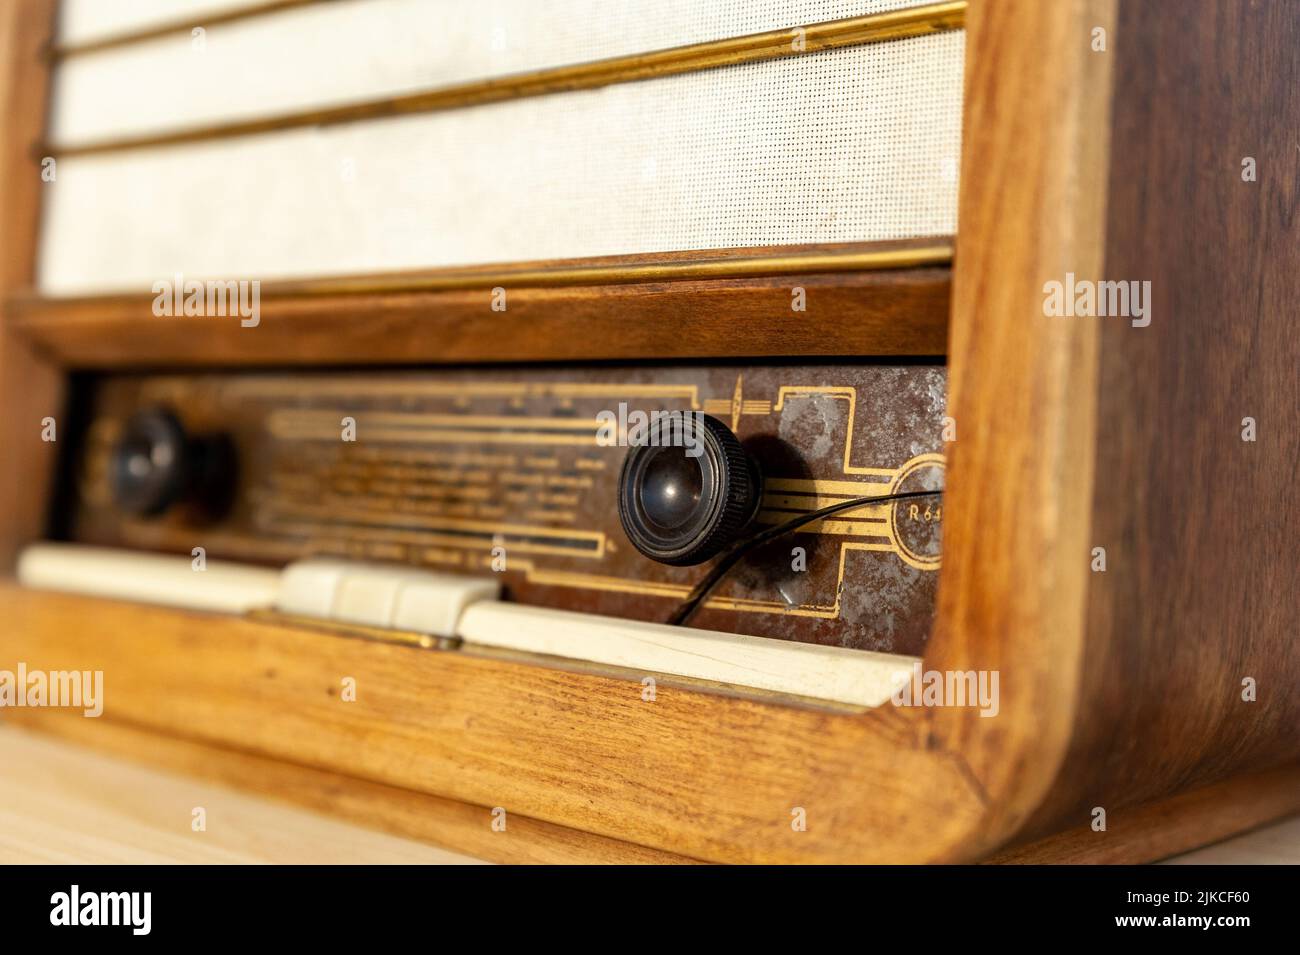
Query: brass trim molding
point(756, 47)
point(443, 280)
point(62, 51)
point(857, 257)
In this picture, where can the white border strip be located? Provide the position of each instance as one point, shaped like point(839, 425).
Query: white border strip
point(858, 677)
point(147, 578)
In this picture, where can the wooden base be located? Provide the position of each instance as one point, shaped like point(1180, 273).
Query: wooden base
point(1143, 834)
point(437, 740)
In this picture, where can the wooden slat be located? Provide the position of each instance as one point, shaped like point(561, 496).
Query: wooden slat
point(668, 306)
point(31, 387)
point(1022, 390)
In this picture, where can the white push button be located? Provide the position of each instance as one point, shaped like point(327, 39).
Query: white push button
point(378, 595)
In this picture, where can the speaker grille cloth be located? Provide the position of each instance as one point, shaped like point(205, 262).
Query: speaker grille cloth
point(855, 144)
point(327, 53)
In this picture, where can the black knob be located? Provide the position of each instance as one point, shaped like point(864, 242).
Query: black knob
point(156, 465)
point(688, 491)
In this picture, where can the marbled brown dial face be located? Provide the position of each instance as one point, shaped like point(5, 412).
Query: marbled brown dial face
point(514, 471)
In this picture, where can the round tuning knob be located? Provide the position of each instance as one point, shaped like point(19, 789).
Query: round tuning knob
point(687, 492)
point(156, 465)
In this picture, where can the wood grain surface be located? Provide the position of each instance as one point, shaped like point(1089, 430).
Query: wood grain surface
point(31, 386)
point(887, 312)
point(1200, 527)
point(714, 774)
point(1022, 391)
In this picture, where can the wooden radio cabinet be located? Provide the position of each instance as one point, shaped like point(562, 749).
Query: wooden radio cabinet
point(1119, 509)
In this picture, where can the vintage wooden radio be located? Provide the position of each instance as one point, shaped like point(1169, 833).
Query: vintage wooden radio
point(826, 431)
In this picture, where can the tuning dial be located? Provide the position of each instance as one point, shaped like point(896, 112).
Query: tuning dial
point(157, 465)
point(687, 492)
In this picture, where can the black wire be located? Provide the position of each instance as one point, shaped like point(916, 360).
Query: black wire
point(687, 608)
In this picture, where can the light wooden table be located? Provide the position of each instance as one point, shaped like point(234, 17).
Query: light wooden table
point(1278, 844)
point(61, 803)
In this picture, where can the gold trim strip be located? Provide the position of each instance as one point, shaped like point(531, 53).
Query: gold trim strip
point(372, 387)
point(448, 280)
point(773, 44)
point(929, 253)
point(444, 436)
point(337, 628)
point(289, 419)
point(167, 28)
